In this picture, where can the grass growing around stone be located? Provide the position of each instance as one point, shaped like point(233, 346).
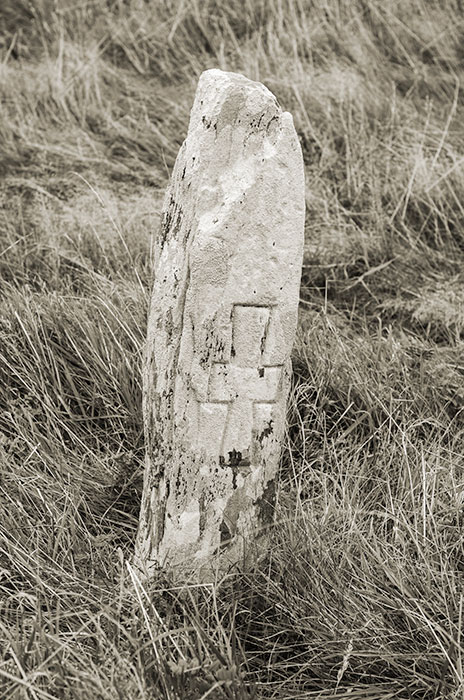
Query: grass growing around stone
point(361, 594)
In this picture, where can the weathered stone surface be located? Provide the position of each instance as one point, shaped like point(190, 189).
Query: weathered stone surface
point(221, 328)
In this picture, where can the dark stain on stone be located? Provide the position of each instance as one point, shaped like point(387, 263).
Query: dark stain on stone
point(265, 334)
point(158, 455)
point(202, 505)
point(160, 516)
point(147, 518)
point(266, 503)
point(169, 324)
point(236, 459)
point(271, 122)
point(236, 462)
point(261, 371)
point(208, 123)
point(268, 430)
point(186, 235)
point(220, 348)
point(172, 220)
point(225, 534)
point(208, 344)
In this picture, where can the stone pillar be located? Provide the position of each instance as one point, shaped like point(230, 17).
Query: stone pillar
point(221, 328)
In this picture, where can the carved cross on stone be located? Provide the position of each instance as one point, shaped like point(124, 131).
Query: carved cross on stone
point(241, 392)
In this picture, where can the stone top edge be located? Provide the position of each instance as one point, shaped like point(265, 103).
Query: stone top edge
point(221, 80)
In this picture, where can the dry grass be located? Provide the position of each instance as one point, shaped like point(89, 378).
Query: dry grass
point(361, 594)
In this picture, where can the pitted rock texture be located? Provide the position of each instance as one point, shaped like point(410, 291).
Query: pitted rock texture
point(221, 328)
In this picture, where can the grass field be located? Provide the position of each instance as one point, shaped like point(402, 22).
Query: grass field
point(362, 592)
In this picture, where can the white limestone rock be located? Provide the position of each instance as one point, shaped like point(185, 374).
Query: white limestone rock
point(221, 328)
